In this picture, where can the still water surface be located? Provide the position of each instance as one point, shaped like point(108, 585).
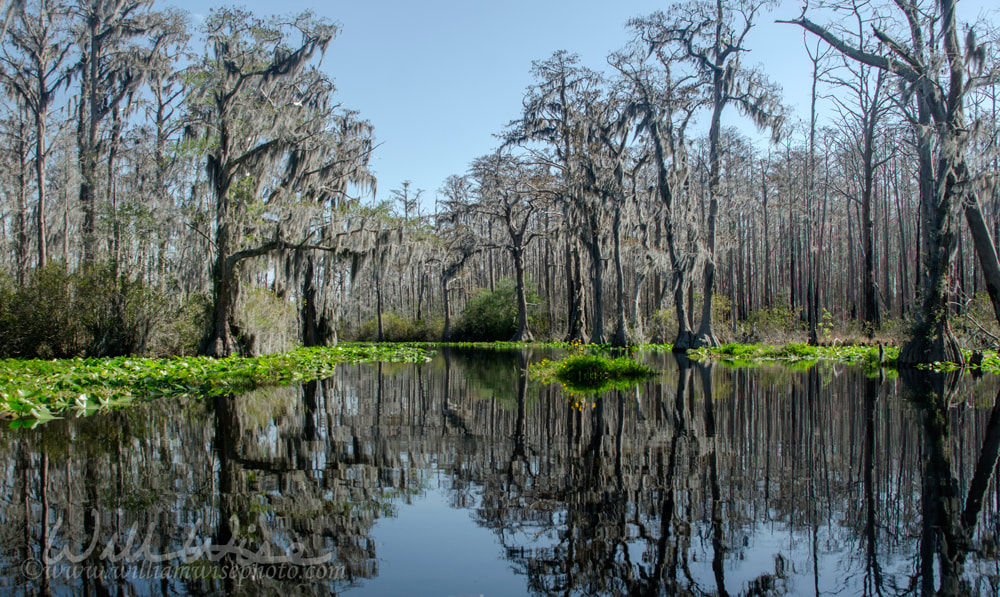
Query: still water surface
point(461, 477)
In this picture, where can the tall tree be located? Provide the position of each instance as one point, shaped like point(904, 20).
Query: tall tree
point(34, 68)
point(265, 117)
point(110, 68)
point(556, 113)
point(711, 34)
point(862, 111)
point(509, 191)
point(921, 48)
point(663, 104)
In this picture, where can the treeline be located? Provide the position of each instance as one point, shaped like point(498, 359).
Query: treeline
point(222, 172)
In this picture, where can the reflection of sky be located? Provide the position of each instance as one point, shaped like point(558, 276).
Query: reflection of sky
point(431, 548)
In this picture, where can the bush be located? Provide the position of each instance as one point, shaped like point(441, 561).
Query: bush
point(182, 329)
point(397, 328)
point(269, 322)
point(39, 319)
point(58, 314)
point(492, 316)
point(118, 313)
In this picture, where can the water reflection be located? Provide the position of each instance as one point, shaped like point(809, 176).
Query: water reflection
point(704, 481)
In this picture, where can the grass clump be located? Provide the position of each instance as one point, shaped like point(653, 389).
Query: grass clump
point(589, 373)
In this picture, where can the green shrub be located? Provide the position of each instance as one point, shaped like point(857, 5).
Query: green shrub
point(492, 316)
point(588, 372)
point(182, 328)
point(58, 314)
point(118, 313)
point(39, 319)
point(397, 328)
point(269, 322)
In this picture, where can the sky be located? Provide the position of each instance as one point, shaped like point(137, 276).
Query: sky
point(439, 79)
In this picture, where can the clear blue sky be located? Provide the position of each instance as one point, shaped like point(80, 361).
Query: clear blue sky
point(439, 78)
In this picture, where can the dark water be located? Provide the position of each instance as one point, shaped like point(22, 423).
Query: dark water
point(460, 477)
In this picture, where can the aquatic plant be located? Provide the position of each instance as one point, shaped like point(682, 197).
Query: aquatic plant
point(35, 391)
point(585, 372)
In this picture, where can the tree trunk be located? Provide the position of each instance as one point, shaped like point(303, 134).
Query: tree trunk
point(446, 334)
point(706, 337)
point(221, 340)
point(522, 334)
point(932, 338)
point(574, 271)
point(621, 337)
point(311, 333)
point(985, 250)
point(597, 276)
point(22, 210)
point(380, 337)
point(40, 154)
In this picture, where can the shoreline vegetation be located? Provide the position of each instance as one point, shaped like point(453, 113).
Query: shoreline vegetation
point(34, 391)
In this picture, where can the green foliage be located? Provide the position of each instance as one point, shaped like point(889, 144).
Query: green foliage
point(182, 328)
point(58, 314)
point(588, 372)
point(396, 328)
point(778, 320)
point(825, 324)
point(798, 355)
point(36, 391)
point(491, 316)
point(272, 322)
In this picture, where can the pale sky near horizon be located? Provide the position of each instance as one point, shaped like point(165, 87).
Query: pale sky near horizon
point(439, 78)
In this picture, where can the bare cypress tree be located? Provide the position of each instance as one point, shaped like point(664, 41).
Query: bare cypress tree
point(817, 58)
point(664, 104)
point(33, 70)
point(861, 121)
point(109, 70)
point(712, 34)
point(936, 75)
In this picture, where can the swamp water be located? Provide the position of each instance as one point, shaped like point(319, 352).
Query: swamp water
point(460, 477)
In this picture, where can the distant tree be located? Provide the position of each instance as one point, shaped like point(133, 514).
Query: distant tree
point(33, 67)
point(862, 110)
point(407, 198)
point(510, 192)
point(458, 242)
point(936, 74)
point(663, 105)
point(110, 68)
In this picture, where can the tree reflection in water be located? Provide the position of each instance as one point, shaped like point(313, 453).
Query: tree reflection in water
point(704, 481)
